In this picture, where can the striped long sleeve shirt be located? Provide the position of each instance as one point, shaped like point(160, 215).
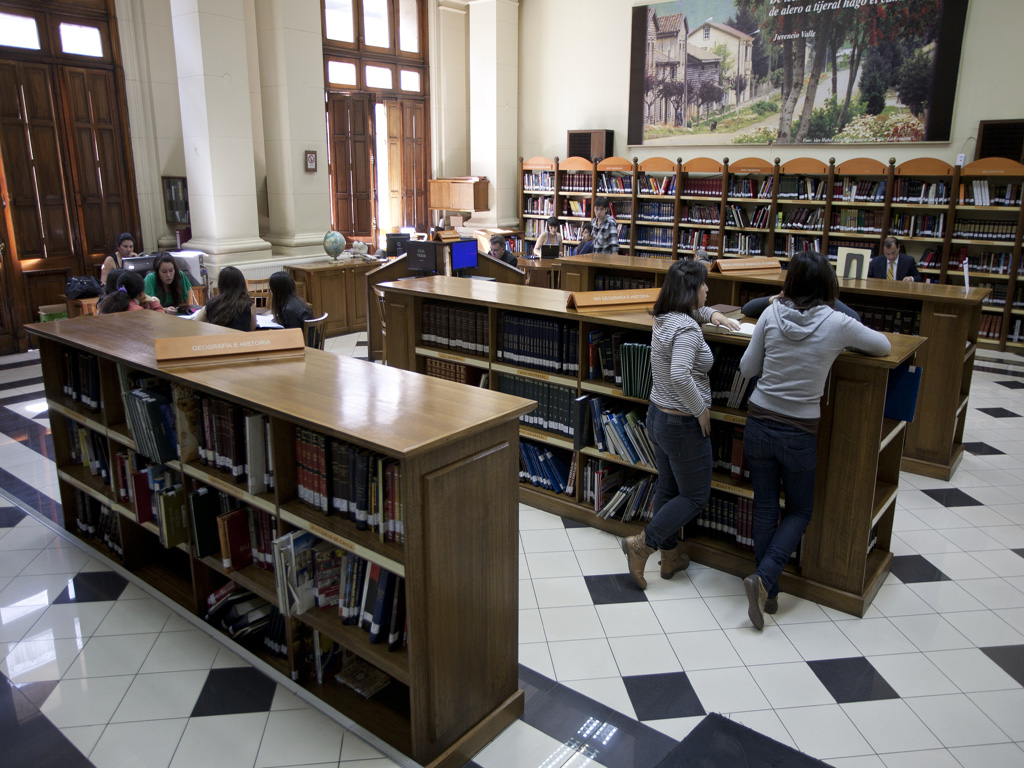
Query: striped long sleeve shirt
point(680, 362)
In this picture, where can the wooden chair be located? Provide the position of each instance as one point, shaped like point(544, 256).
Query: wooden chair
point(260, 292)
point(314, 331)
point(383, 326)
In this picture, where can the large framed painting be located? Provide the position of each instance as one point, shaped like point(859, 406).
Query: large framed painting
point(794, 71)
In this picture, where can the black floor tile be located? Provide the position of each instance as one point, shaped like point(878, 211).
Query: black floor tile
point(614, 588)
point(852, 679)
point(999, 413)
point(657, 697)
point(718, 742)
point(362, 344)
point(952, 497)
point(606, 736)
point(28, 739)
point(573, 523)
point(913, 569)
point(22, 364)
point(1011, 384)
point(93, 587)
point(1018, 552)
point(10, 517)
point(982, 449)
point(234, 691)
point(31, 497)
point(1010, 658)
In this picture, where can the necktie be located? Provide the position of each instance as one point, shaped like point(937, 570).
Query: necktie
point(891, 273)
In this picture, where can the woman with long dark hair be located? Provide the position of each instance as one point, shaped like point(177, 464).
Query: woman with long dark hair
point(678, 418)
point(792, 349)
point(128, 296)
point(232, 307)
point(168, 283)
point(289, 310)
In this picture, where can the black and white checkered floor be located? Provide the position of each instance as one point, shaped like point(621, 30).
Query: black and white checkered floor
point(96, 670)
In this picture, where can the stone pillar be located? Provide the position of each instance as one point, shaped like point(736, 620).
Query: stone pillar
point(494, 107)
point(216, 127)
point(291, 72)
point(449, 89)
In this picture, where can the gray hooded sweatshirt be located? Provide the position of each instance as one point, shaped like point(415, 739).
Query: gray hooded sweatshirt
point(793, 352)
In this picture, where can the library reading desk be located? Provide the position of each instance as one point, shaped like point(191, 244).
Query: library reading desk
point(845, 553)
point(454, 684)
point(948, 315)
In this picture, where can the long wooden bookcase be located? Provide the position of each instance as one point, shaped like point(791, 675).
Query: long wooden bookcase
point(454, 685)
point(859, 449)
point(944, 215)
point(947, 315)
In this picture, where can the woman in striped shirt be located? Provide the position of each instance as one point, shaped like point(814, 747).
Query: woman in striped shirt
point(679, 417)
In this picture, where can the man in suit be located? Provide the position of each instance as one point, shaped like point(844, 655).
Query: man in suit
point(893, 265)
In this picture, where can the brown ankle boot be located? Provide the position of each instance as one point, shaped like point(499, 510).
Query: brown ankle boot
point(757, 595)
point(637, 552)
point(673, 560)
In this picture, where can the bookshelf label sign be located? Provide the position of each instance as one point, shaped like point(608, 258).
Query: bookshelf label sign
point(446, 356)
point(285, 342)
point(532, 374)
point(330, 536)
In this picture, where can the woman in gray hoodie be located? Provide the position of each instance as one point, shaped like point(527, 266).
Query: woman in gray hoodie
point(792, 349)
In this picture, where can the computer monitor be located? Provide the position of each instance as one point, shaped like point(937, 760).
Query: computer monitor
point(421, 256)
point(141, 264)
point(549, 251)
point(396, 243)
point(463, 255)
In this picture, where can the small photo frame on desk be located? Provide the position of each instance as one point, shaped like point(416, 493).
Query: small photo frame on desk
point(852, 262)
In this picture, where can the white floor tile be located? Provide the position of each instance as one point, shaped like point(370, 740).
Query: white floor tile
point(824, 732)
point(297, 737)
point(731, 611)
point(770, 646)
point(930, 632)
point(680, 587)
point(227, 741)
point(899, 600)
point(864, 761)
point(929, 758)
point(582, 659)
point(77, 620)
point(990, 756)
point(1000, 562)
point(85, 702)
point(562, 592)
point(592, 538)
point(1005, 709)
point(790, 685)
point(727, 690)
point(14, 562)
point(996, 593)
point(179, 651)
point(625, 619)
point(876, 636)
point(109, 656)
point(961, 565)
point(601, 562)
point(796, 610)
point(520, 745)
point(531, 519)
point(821, 640)
point(956, 720)
point(912, 674)
point(690, 615)
point(610, 691)
point(146, 744)
point(677, 728)
point(709, 649)
point(537, 657)
point(40, 658)
point(61, 557)
point(890, 725)
point(971, 670)
point(712, 583)
point(644, 655)
point(531, 630)
point(767, 722)
point(161, 695)
point(984, 628)
point(135, 617)
point(548, 565)
point(84, 737)
point(355, 749)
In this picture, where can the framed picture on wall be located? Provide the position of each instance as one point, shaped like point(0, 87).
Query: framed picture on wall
point(176, 199)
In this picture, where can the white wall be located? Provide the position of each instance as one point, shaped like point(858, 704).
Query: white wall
point(574, 74)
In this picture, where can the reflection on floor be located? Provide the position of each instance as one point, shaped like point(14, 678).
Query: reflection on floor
point(97, 670)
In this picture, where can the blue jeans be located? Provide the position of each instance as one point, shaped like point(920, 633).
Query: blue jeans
point(780, 457)
point(683, 456)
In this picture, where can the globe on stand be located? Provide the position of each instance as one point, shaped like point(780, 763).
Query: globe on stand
point(334, 244)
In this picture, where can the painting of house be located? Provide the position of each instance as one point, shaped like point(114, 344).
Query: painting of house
point(735, 50)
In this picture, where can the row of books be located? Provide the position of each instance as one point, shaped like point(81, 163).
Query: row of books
point(244, 615)
point(889, 319)
point(729, 387)
point(729, 517)
point(539, 206)
point(692, 239)
point(991, 327)
point(620, 432)
point(459, 328)
point(834, 244)
point(984, 229)
point(858, 190)
point(457, 372)
point(554, 403)
point(727, 450)
point(790, 244)
point(707, 187)
point(744, 243)
point(604, 354)
point(801, 188)
point(751, 188)
point(990, 262)
point(800, 218)
point(576, 181)
point(617, 492)
point(655, 185)
point(150, 417)
point(918, 224)
point(982, 192)
point(699, 214)
point(535, 228)
point(539, 181)
point(89, 450)
point(539, 343)
point(80, 378)
point(654, 237)
point(738, 216)
point(613, 282)
point(97, 521)
point(611, 182)
point(650, 210)
point(542, 467)
point(1016, 330)
point(578, 207)
point(235, 440)
point(997, 294)
point(237, 535)
point(642, 254)
point(856, 220)
point(920, 191)
point(337, 478)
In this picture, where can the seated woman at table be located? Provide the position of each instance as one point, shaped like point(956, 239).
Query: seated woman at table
point(549, 236)
point(289, 310)
point(128, 296)
point(232, 307)
point(168, 283)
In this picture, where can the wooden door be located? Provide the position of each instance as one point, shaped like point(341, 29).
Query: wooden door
point(350, 119)
point(396, 208)
point(414, 164)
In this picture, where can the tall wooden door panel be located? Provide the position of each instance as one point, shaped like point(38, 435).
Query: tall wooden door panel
point(396, 212)
point(351, 128)
point(414, 164)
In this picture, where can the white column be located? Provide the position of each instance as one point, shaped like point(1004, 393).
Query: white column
point(216, 126)
point(449, 89)
point(292, 86)
point(494, 106)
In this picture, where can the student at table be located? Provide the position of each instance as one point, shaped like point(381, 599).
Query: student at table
point(549, 236)
point(168, 283)
point(232, 307)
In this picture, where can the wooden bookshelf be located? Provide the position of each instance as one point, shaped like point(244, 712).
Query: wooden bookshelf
point(948, 316)
point(925, 202)
point(859, 450)
point(455, 685)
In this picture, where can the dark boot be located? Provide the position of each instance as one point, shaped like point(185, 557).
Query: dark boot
point(673, 560)
point(771, 605)
point(637, 552)
point(756, 597)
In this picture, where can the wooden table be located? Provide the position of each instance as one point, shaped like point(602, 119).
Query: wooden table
point(541, 272)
